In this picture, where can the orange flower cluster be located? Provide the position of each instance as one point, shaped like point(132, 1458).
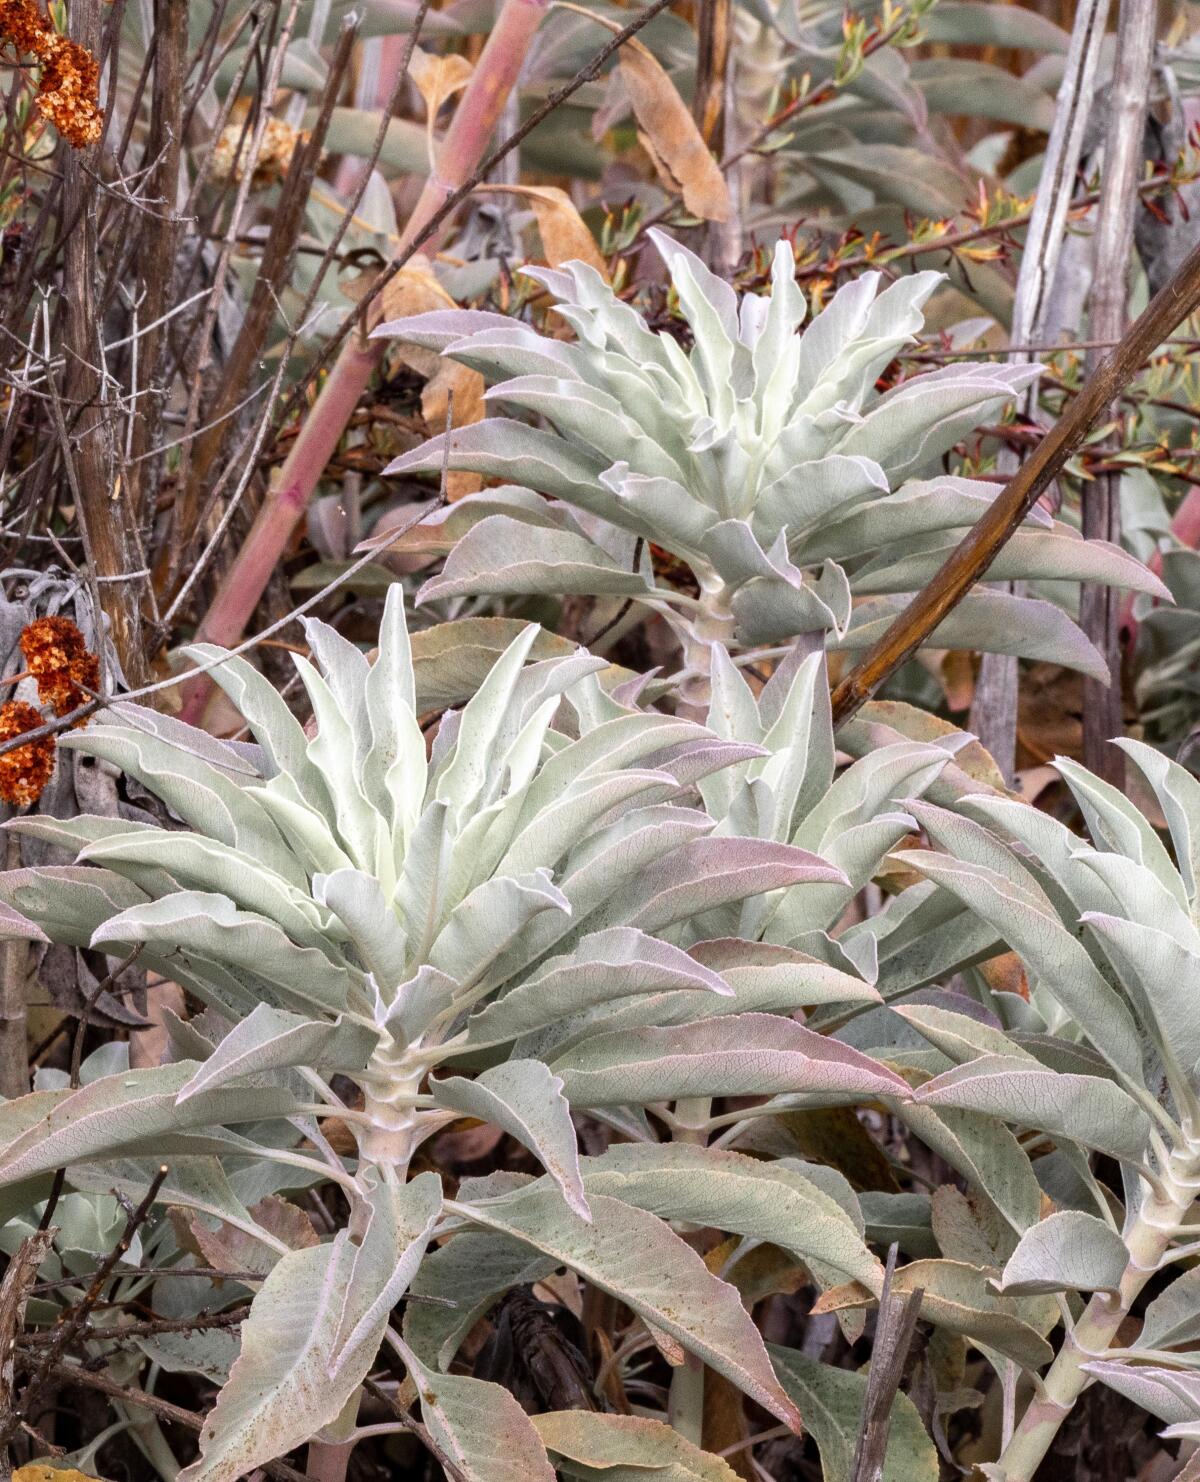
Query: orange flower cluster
point(25, 770)
point(69, 90)
point(67, 673)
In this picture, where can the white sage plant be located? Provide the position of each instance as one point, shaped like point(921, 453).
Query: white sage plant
point(802, 501)
point(344, 905)
point(1104, 1057)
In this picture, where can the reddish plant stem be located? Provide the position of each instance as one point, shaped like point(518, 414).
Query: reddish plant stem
point(461, 150)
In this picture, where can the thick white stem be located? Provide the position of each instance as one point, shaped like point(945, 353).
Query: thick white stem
point(711, 622)
point(394, 1125)
point(1147, 1241)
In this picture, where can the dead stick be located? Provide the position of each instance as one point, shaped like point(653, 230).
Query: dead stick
point(893, 1336)
point(1171, 305)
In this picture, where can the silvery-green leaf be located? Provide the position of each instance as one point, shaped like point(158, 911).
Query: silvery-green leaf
point(1093, 1112)
point(1160, 973)
point(498, 557)
point(491, 919)
point(659, 508)
point(524, 1098)
point(985, 1152)
point(602, 966)
point(560, 824)
point(357, 899)
point(517, 350)
point(201, 794)
point(440, 327)
point(401, 1220)
point(466, 1274)
point(481, 723)
point(917, 422)
point(67, 902)
point(922, 507)
point(617, 1446)
point(903, 1219)
point(772, 609)
point(1029, 556)
point(739, 1055)
point(960, 1038)
point(762, 973)
point(710, 872)
point(760, 1201)
point(1142, 896)
point(1063, 876)
point(479, 1427)
point(273, 725)
point(960, 1297)
point(199, 865)
point(271, 1039)
point(1116, 824)
point(394, 768)
point(281, 1390)
point(1173, 1395)
point(587, 416)
point(209, 1352)
point(311, 835)
point(846, 346)
point(1173, 1317)
point(1070, 1251)
point(810, 494)
point(832, 1402)
point(994, 621)
point(1178, 796)
point(526, 455)
point(1050, 951)
point(638, 1259)
point(212, 927)
point(196, 1182)
point(47, 1130)
point(335, 751)
point(74, 834)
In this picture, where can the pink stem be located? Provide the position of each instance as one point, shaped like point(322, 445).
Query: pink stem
point(462, 148)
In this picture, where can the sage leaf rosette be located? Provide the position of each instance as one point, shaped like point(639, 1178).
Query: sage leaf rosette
point(354, 906)
point(802, 501)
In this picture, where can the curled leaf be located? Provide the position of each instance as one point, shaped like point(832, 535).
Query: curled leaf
point(564, 233)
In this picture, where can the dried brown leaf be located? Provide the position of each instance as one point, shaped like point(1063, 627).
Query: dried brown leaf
point(415, 290)
point(564, 233)
point(668, 129)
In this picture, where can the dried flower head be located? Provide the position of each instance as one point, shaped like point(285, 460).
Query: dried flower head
point(69, 88)
point(67, 672)
point(232, 149)
point(25, 770)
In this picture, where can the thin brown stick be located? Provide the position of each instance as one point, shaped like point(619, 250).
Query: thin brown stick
point(893, 1337)
point(109, 526)
point(1178, 298)
point(173, 1414)
point(71, 1323)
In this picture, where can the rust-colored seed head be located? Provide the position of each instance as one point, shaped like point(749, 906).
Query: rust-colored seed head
point(25, 770)
point(69, 90)
point(58, 657)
